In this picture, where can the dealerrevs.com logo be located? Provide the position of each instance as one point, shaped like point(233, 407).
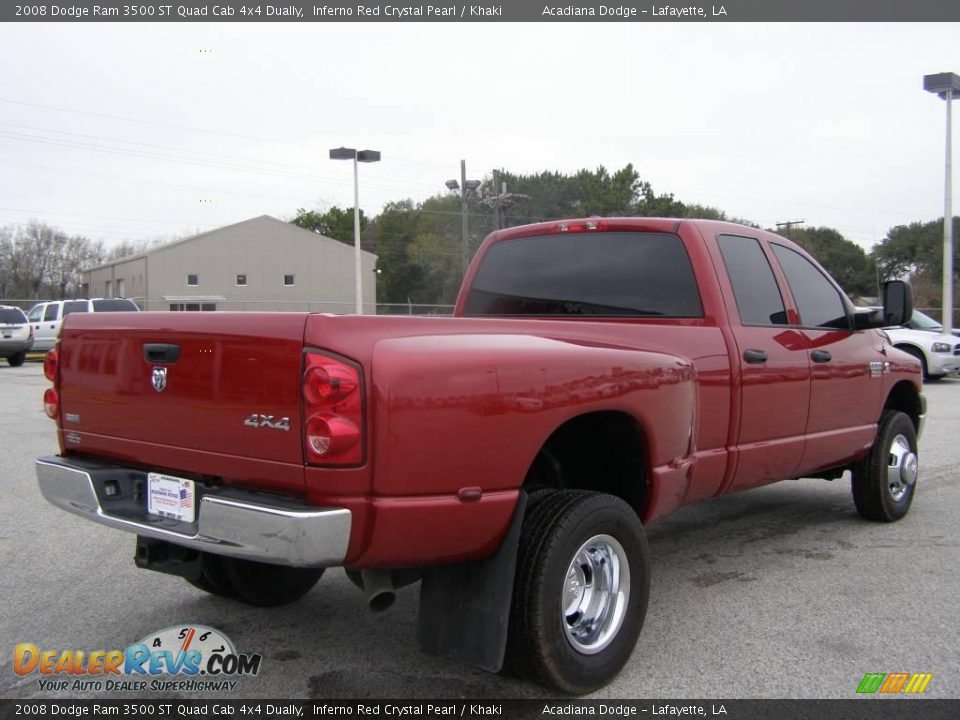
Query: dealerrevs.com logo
point(893, 683)
point(181, 658)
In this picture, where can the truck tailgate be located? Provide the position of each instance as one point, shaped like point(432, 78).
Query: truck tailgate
point(221, 370)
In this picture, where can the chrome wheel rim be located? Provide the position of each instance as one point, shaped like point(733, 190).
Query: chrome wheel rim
point(902, 468)
point(596, 590)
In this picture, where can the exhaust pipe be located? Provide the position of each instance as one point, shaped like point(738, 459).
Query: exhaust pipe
point(378, 589)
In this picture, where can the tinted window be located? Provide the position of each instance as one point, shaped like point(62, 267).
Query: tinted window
point(610, 273)
point(12, 316)
point(74, 306)
point(818, 301)
point(51, 312)
point(114, 305)
point(754, 286)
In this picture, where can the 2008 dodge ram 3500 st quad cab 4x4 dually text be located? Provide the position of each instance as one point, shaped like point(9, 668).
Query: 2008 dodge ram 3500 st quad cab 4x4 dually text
point(597, 374)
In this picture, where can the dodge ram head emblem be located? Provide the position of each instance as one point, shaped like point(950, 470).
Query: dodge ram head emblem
point(159, 378)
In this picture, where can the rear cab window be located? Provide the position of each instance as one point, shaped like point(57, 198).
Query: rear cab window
point(51, 313)
point(603, 274)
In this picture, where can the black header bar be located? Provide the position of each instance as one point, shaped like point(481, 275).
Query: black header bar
point(501, 11)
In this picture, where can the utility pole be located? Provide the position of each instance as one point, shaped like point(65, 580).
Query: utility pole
point(788, 225)
point(463, 217)
point(501, 199)
point(496, 205)
point(464, 186)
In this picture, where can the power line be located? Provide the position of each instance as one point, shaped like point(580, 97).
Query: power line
point(189, 128)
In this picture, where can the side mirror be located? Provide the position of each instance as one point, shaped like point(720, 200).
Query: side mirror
point(897, 303)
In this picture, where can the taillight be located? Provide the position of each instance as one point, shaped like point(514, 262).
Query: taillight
point(51, 397)
point(332, 410)
point(51, 361)
point(51, 403)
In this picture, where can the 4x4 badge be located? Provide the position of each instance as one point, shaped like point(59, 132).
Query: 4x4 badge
point(159, 378)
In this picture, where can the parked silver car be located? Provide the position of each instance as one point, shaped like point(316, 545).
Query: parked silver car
point(16, 335)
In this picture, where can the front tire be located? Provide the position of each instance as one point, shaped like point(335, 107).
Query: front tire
point(884, 482)
point(581, 591)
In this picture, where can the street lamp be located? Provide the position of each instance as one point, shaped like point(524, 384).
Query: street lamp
point(367, 156)
point(463, 186)
point(946, 85)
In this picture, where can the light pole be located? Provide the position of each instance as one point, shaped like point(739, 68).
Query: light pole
point(463, 186)
point(368, 156)
point(946, 85)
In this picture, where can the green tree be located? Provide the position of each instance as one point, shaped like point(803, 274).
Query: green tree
point(334, 223)
point(915, 251)
point(846, 261)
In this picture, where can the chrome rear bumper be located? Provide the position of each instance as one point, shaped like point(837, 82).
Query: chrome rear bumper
point(236, 523)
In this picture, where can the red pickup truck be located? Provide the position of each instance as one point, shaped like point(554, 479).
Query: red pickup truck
point(597, 374)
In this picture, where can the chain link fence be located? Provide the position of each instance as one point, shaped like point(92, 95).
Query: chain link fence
point(208, 304)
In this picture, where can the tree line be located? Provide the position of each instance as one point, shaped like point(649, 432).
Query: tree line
point(38, 261)
point(419, 246)
point(418, 243)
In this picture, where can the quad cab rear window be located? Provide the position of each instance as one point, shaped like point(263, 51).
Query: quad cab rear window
point(600, 274)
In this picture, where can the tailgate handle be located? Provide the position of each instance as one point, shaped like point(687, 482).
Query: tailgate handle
point(161, 353)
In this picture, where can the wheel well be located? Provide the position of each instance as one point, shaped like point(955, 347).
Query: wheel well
point(602, 451)
point(904, 397)
point(913, 350)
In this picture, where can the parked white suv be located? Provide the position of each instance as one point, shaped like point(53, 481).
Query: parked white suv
point(16, 335)
point(45, 318)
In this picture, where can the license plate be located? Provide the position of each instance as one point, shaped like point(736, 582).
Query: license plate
point(171, 497)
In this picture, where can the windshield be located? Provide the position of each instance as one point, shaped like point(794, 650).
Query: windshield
point(919, 321)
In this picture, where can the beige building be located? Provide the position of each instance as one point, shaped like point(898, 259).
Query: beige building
point(260, 264)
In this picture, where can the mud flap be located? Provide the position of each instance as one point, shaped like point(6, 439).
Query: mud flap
point(465, 608)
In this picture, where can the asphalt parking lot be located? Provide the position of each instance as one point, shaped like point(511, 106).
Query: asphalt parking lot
point(777, 592)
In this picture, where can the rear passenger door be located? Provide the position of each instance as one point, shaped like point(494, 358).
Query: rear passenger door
point(774, 366)
point(845, 398)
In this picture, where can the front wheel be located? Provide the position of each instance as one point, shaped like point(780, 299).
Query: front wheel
point(581, 591)
point(884, 482)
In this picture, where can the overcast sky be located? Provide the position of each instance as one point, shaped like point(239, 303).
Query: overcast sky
point(129, 131)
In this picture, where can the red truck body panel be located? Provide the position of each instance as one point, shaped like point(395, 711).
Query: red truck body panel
point(453, 404)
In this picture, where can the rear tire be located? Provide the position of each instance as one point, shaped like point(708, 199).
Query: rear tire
point(884, 482)
point(254, 583)
point(581, 591)
point(17, 360)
